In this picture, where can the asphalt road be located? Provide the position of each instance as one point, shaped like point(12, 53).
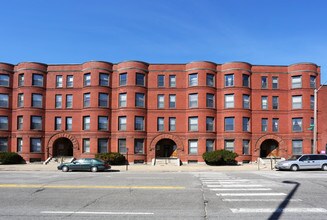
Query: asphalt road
point(163, 195)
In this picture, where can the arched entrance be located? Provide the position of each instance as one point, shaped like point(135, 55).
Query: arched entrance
point(269, 148)
point(166, 148)
point(62, 147)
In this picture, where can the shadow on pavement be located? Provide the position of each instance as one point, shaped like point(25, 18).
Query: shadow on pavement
point(279, 211)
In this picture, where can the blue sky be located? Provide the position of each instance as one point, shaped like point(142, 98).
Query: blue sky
point(277, 32)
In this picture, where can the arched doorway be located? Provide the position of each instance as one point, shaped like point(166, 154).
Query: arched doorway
point(62, 147)
point(269, 148)
point(166, 148)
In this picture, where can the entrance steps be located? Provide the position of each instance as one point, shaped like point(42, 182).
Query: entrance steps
point(268, 163)
point(57, 160)
point(163, 161)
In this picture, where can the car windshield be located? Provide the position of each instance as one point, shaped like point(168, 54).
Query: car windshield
point(294, 157)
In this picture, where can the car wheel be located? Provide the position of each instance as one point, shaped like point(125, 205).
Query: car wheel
point(94, 169)
point(294, 168)
point(324, 167)
point(64, 169)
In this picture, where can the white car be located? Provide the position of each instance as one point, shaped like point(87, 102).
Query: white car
point(304, 162)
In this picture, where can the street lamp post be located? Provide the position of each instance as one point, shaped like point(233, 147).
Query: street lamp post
point(315, 109)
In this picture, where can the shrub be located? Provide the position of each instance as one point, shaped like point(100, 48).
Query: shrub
point(220, 157)
point(10, 158)
point(112, 158)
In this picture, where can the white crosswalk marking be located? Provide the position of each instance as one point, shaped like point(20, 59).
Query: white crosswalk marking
point(261, 200)
point(234, 186)
point(243, 194)
point(285, 210)
point(251, 194)
point(237, 189)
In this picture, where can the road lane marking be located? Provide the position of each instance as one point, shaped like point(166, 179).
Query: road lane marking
point(251, 194)
point(284, 210)
point(229, 180)
point(238, 189)
point(97, 213)
point(234, 186)
point(261, 200)
point(86, 186)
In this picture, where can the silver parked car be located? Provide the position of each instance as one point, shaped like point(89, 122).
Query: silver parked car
point(304, 162)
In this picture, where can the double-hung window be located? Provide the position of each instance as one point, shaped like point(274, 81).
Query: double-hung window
point(193, 147)
point(193, 100)
point(172, 81)
point(229, 145)
point(87, 79)
point(122, 122)
point(246, 80)
point(4, 80)
point(37, 100)
point(210, 100)
point(275, 82)
point(58, 101)
point(140, 79)
point(246, 124)
point(296, 82)
point(210, 124)
point(161, 80)
point(102, 123)
point(104, 79)
point(193, 79)
point(122, 79)
point(4, 100)
point(210, 80)
point(139, 123)
point(264, 82)
point(36, 145)
point(103, 100)
point(229, 101)
point(246, 101)
point(312, 82)
point(161, 101)
point(264, 102)
point(160, 124)
point(172, 124)
point(36, 122)
point(3, 122)
point(122, 146)
point(86, 100)
point(229, 80)
point(229, 123)
point(275, 102)
point(69, 101)
point(57, 123)
point(59, 81)
point(37, 80)
point(122, 100)
point(264, 124)
point(296, 124)
point(275, 124)
point(139, 100)
point(70, 81)
point(297, 102)
point(86, 122)
point(20, 100)
point(172, 101)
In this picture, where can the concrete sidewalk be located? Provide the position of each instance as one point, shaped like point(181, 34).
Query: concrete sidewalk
point(143, 168)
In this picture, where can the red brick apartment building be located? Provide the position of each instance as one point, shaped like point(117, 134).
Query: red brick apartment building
point(160, 110)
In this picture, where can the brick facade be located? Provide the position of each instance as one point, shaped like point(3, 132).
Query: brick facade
point(28, 96)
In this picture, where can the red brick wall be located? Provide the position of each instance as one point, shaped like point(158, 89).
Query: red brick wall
point(150, 112)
